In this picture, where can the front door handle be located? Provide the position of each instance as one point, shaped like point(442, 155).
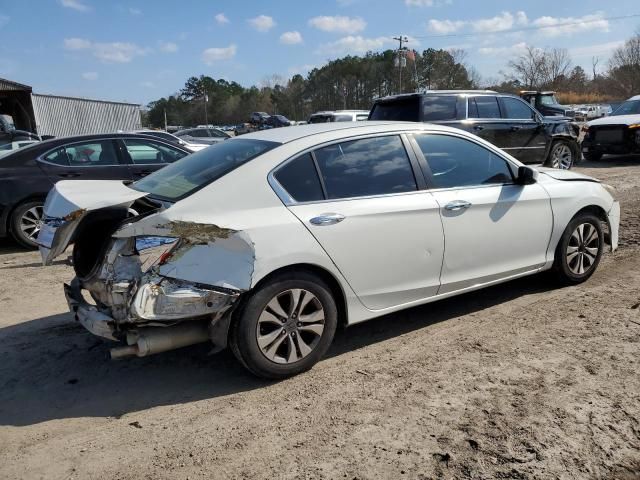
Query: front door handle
point(457, 205)
point(327, 219)
point(515, 128)
point(478, 128)
point(69, 174)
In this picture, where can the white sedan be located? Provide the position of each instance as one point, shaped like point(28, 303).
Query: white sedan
point(268, 242)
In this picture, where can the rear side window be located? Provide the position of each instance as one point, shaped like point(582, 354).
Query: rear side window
point(457, 162)
point(300, 179)
point(370, 166)
point(91, 154)
point(146, 152)
point(516, 109)
point(399, 109)
point(484, 107)
point(439, 107)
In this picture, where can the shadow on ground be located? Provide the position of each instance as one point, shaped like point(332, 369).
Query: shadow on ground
point(609, 161)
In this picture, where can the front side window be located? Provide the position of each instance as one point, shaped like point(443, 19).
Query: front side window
point(217, 133)
point(91, 154)
point(439, 107)
point(143, 152)
point(484, 107)
point(300, 179)
point(370, 166)
point(199, 133)
point(457, 162)
point(201, 168)
point(516, 109)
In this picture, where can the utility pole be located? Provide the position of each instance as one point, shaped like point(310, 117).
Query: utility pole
point(402, 39)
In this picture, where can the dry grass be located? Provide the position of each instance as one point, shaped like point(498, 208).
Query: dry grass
point(574, 98)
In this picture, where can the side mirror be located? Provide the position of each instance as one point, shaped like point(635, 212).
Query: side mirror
point(526, 175)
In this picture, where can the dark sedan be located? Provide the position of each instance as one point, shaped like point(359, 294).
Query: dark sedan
point(27, 175)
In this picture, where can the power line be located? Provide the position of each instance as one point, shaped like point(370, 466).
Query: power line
point(527, 29)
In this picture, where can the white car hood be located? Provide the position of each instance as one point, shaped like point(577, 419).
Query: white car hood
point(615, 120)
point(566, 175)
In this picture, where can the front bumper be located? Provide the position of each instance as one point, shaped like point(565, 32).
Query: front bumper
point(614, 224)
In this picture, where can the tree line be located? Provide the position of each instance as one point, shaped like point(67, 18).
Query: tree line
point(353, 82)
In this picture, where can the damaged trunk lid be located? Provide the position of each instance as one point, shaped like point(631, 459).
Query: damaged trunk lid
point(69, 202)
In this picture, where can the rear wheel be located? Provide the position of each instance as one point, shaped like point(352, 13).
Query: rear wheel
point(562, 155)
point(285, 327)
point(580, 249)
point(26, 222)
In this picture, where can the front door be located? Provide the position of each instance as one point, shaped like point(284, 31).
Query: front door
point(147, 156)
point(382, 233)
point(493, 227)
point(527, 140)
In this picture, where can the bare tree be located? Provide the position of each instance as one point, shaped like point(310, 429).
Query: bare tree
point(624, 67)
point(556, 64)
point(594, 66)
point(527, 68)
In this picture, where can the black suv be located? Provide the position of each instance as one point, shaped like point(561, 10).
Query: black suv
point(504, 120)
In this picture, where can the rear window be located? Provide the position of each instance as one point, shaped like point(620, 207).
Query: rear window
point(436, 108)
point(201, 168)
point(399, 109)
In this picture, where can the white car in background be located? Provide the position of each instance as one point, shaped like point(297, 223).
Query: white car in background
point(269, 241)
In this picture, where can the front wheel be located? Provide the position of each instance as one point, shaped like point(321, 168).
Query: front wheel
point(580, 249)
point(562, 155)
point(285, 327)
point(26, 222)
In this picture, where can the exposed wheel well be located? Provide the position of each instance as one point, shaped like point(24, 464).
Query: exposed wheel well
point(601, 214)
point(326, 276)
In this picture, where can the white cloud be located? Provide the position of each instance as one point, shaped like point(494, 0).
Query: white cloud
point(221, 18)
point(212, 55)
point(114, 52)
point(76, 43)
point(504, 21)
point(291, 38)
point(516, 49)
point(135, 11)
point(445, 27)
point(338, 24)
point(168, 47)
point(75, 5)
point(4, 20)
point(90, 75)
point(353, 45)
point(418, 3)
point(262, 23)
point(556, 26)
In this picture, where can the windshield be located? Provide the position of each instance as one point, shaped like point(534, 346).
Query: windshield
point(199, 169)
point(548, 100)
point(630, 107)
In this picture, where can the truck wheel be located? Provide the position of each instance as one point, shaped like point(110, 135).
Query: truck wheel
point(593, 156)
point(285, 327)
point(561, 156)
point(579, 250)
point(26, 221)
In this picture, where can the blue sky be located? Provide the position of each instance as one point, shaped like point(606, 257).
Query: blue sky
point(141, 50)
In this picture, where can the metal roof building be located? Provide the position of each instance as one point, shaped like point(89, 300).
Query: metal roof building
point(62, 116)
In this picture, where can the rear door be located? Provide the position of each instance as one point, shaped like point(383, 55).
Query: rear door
point(526, 139)
point(366, 210)
point(87, 160)
point(146, 156)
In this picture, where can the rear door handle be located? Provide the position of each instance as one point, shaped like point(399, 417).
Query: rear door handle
point(457, 205)
point(478, 127)
point(69, 174)
point(327, 219)
point(515, 128)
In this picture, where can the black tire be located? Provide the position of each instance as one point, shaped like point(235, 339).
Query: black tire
point(22, 210)
point(558, 144)
point(564, 267)
point(592, 156)
point(244, 332)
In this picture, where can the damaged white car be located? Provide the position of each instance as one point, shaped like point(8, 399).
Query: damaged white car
point(268, 242)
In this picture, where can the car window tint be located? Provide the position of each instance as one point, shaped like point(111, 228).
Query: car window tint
point(473, 108)
point(516, 109)
point(370, 166)
point(457, 162)
point(200, 132)
point(400, 109)
point(97, 153)
point(439, 107)
point(143, 152)
point(300, 179)
point(341, 118)
point(216, 133)
point(487, 107)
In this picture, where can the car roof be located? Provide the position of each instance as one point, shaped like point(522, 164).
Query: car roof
point(342, 129)
point(635, 97)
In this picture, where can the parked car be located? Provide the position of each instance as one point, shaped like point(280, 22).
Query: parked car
point(276, 121)
point(27, 175)
point(203, 135)
point(546, 103)
point(349, 116)
point(259, 117)
point(504, 120)
point(269, 241)
point(7, 148)
point(618, 133)
point(321, 117)
point(171, 138)
point(9, 134)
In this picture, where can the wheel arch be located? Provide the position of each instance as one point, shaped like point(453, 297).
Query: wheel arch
point(31, 198)
point(601, 214)
point(566, 137)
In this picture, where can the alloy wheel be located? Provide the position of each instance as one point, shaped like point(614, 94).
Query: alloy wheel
point(583, 249)
point(562, 157)
point(290, 326)
point(31, 222)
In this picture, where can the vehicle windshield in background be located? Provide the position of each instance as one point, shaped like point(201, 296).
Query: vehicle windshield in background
point(439, 108)
point(631, 107)
point(199, 169)
point(320, 118)
point(400, 109)
point(548, 100)
point(341, 118)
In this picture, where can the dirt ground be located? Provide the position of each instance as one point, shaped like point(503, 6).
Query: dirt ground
point(517, 381)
